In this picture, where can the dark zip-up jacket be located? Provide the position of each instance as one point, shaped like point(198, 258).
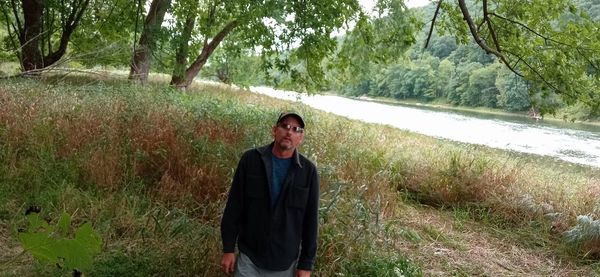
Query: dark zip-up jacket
point(273, 238)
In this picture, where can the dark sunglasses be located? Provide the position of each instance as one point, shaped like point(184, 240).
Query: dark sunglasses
point(287, 127)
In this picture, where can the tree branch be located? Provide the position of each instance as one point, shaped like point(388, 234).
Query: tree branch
point(11, 36)
point(531, 30)
point(68, 29)
point(437, 10)
point(19, 25)
point(540, 76)
point(592, 64)
point(477, 37)
point(490, 26)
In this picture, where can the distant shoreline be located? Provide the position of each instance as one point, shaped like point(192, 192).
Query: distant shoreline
point(479, 110)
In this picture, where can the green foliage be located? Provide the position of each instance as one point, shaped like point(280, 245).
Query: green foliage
point(393, 266)
point(551, 44)
point(564, 36)
point(442, 46)
point(513, 92)
point(52, 245)
point(374, 42)
point(482, 89)
point(106, 33)
point(241, 69)
point(285, 33)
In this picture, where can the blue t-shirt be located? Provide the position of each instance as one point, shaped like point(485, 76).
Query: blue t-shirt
point(280, 170)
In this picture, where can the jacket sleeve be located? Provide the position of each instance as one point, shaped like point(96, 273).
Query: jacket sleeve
point(310, 227)
point(231, 221)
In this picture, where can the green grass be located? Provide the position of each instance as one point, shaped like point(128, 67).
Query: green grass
point(9, 68)
point(149, 167)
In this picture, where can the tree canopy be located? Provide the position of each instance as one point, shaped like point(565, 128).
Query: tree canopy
point(552, 46)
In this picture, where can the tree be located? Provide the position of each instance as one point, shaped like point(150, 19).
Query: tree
point(274, 26)
point(445, 74)
point(536, 41)
point(513, 91)
point(105, 34)
point(142, 54)
point(442, 46)
point(459, 85)
point(229, 66)
point(482, 89)
point(40, 30)
point(293, 37)
point(375, 42)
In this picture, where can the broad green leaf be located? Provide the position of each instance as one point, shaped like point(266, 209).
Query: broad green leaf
point(57, 248)
point(63, 224)
point(40, 245)
point(74, 254)
point(36, 223)
point(89, 238)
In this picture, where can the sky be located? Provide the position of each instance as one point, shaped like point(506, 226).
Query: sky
point(409, 3)
point(416, 3)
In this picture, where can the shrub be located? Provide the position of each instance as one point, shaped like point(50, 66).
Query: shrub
point(585, 236)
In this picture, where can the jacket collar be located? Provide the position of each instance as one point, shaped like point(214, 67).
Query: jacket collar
point(266, 151)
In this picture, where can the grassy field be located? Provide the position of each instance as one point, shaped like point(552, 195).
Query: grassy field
point(149, 167)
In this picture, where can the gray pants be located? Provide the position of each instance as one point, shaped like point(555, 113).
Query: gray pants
point(245, 268)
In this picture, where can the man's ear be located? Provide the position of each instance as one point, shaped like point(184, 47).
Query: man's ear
point(273, 130)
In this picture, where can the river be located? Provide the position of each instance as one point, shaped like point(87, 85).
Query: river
point(575, 143)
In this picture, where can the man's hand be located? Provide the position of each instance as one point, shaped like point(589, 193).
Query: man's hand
point(302, 273)
point(228, 263)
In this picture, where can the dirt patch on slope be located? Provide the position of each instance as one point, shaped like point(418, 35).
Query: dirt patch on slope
point(441, 248)
point(10, 259)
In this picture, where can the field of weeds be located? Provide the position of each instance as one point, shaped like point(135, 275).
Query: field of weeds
point(150, 166)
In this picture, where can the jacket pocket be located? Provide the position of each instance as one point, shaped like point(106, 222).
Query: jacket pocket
point(298, 197)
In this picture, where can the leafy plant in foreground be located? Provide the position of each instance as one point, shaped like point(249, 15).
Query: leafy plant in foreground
point(52, 245)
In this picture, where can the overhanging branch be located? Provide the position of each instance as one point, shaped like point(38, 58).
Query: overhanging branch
point(472, 28)
point(533, 31)
point(437, 10)
point(490, 26)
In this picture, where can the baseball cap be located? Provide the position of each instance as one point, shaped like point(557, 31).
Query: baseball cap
point(283, 115)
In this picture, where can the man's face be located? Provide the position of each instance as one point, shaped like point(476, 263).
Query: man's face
point(287, 139)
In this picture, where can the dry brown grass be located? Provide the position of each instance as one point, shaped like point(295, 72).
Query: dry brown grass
point(474, 249)
point(106, 140)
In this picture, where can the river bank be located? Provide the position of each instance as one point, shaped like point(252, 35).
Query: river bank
point(472, 110)
point(149, 167)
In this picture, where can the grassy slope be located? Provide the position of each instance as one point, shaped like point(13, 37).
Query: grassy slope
point(150, 167)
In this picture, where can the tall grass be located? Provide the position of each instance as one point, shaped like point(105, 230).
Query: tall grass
point(150, 167)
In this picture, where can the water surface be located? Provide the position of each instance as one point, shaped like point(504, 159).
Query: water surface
point(577, 144)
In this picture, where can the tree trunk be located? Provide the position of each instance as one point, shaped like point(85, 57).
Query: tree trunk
point(29, 37)
point(33, 35)
point(207, 50)
point(183, 50)
point(142, 56)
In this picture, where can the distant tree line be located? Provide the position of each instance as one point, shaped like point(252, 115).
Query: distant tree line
point(448, 70)
point(459, 75)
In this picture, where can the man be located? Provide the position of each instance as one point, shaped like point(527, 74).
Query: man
point(272, 208)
